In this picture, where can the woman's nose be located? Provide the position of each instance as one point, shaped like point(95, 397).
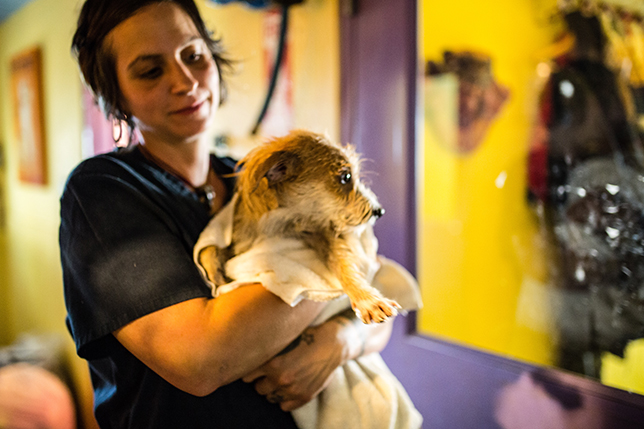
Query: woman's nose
point(183, 82)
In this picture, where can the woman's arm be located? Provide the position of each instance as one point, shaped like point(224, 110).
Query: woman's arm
point(201, 344)
point(296, 377)
point(113, 240)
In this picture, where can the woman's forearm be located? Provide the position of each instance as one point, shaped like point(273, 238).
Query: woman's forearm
point(202, 344)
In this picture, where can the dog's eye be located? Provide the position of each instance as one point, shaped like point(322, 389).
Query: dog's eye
point(345, 177)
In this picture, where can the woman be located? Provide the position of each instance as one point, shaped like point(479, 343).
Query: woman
point(161, 351)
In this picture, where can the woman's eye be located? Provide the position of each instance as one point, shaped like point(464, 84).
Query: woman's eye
point(152, 73)
point(193, 57)
point(345, 177)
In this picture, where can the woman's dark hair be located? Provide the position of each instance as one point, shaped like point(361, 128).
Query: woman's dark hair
point(97, 64)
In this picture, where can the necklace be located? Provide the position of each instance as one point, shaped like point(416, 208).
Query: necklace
point(205, 193)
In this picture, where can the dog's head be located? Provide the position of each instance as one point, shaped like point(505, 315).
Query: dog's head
point(310, 176)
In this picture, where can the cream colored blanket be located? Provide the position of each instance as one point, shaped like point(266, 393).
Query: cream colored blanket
point(363, 393)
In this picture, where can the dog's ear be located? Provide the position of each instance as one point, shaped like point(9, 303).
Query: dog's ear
point(257, 186)
point(279, 167)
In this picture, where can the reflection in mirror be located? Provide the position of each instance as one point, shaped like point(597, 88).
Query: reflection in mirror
point(531, 182)
point(540, 399)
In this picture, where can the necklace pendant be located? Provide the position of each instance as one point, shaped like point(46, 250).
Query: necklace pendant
point(206, 195)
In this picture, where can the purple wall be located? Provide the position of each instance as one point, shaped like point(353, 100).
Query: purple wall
point(453, 386)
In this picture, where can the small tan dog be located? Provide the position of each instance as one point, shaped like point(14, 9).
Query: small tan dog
point(302, 186)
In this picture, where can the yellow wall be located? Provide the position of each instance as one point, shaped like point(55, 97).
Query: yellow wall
point(473, 230)
point(32, 287)
point(481, 263)
point(31, 298)
point(4, 307)
point(32, 211)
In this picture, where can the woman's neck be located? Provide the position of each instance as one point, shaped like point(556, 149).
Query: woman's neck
point(190, 161)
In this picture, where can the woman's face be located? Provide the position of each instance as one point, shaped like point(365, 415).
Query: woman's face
point(167, 76)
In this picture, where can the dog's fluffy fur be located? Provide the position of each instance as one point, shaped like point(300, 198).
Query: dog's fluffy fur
point(303, 186)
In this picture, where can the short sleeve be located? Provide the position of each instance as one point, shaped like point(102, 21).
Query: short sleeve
point(124, 254)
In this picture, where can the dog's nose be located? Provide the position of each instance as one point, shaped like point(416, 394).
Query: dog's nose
point(378, 212)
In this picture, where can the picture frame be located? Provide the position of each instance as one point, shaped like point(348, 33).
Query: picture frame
point(27, 102)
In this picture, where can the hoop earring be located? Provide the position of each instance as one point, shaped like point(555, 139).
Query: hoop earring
point(116, 121)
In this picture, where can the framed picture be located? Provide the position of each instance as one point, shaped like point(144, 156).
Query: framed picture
point(27, 100)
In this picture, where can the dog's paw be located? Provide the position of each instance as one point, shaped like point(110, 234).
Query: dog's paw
point(375, 309)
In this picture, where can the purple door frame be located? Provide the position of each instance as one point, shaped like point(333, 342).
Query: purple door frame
point(452, 386)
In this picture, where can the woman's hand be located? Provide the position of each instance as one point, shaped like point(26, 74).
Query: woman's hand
point(303, 370)
point(298, 375)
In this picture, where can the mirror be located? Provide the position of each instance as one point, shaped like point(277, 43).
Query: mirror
point(530, 192)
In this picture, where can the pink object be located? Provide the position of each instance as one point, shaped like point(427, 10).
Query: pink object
point(525, 404)
point(32, 397)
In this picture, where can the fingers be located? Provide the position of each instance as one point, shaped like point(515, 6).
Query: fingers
point(291, 405)
point(264, 387)
point(286, 404)
point(275, 397)
point(279, 394)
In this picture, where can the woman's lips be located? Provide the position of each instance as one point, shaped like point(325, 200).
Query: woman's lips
point(190, 109)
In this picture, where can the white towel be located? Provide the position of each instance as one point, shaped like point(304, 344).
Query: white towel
point(363, 393)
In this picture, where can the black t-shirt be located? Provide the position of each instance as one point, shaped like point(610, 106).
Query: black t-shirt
point(126, 238)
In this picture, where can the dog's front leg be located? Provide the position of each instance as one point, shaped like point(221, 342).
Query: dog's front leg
point(366, 301)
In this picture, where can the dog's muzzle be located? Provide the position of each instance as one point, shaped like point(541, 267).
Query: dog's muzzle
point(378, 212)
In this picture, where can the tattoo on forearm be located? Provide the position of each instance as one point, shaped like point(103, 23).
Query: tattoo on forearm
point(306, 337)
